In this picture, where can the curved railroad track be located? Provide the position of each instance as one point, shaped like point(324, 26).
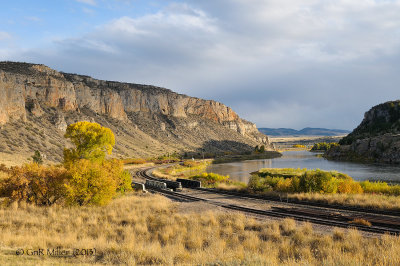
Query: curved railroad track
point(382, 223)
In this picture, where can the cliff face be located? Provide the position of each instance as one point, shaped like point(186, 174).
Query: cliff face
point(29, 91)
point(376, 139)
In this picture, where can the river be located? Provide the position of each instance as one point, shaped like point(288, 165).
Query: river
point(240, 171)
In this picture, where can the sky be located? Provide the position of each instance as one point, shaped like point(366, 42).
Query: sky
point(277, 63)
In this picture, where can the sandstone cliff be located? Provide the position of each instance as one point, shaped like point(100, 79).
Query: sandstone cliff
point(376, 139)
point(148, 120)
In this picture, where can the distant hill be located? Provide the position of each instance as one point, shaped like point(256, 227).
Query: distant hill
point(308, 131)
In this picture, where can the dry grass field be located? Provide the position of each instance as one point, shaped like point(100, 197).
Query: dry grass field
point(373, 201)
point(149, 229)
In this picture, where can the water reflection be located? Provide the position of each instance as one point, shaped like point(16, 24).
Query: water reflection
point(304, 159)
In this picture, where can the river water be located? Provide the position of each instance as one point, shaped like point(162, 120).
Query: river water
point(240, 171)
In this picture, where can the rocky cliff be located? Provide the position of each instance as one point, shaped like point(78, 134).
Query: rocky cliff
point(376, 139)
point(147, 120)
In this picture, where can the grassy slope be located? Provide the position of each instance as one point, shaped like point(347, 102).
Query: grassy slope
point(147, 229)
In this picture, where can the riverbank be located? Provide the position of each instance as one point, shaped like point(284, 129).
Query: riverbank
point(244, 157)
point(240, 171)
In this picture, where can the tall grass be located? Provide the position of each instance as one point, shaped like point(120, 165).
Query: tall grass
point(148, 229)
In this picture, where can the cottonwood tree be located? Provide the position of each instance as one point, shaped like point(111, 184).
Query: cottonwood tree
point(91, 140)
point(93, 180)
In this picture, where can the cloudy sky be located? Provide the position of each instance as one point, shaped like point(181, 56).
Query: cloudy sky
point(278, 63)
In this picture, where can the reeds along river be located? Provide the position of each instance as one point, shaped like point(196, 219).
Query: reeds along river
point(304, 159)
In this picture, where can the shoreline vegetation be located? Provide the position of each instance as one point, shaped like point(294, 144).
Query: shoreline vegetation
point(325, 187)
point(301, 184)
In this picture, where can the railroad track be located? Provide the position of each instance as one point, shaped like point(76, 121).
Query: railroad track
point(303, 203)
point(383, 224)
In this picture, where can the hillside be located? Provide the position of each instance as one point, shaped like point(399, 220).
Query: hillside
point(308, 131)
point(37, 103)
point(376, 139)
point(379, 120)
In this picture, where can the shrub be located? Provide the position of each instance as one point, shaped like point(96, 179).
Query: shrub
point(96, 183)
point(259, 149)
point(35, 183)
point(380, 187)
point(349, 186)
point(284, 185)
point(299, 146)
point(258, 184)
point(37, 157)
point(323, 146)
point(303, 180)
point(316, 181)
point(210, 178)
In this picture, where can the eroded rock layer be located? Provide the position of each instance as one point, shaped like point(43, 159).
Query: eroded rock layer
point(148, 120)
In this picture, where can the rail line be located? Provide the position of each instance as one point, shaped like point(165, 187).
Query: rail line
point(383, 224)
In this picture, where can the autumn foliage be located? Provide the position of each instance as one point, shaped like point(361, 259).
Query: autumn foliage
point(86, 178)
point(96, 183)
point(91, 140)
point(42, 185)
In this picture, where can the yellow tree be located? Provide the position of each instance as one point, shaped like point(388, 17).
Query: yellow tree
point(92, 179)
point(91, 140)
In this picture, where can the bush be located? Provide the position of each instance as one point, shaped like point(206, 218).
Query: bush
point(303, 180)
point(35, 183)
point(316, 181)
point(210, 179)
point(299, 146)
point(380, 187)
point(323, 146)
point(349, 186)
point(37, 158)
point(258, 184)
point(96, 183)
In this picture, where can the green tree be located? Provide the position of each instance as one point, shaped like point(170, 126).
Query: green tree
point(92, 142)
point(37, 157)
point(262, 149)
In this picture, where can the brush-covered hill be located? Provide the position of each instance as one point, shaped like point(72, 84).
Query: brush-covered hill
point(376, 139)
point(37, 103)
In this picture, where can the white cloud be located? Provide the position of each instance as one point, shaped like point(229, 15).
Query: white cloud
point(278, 63)
point(88, 2)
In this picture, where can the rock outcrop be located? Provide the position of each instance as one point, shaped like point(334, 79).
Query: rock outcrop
point(30, 91)
point(376, 139)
